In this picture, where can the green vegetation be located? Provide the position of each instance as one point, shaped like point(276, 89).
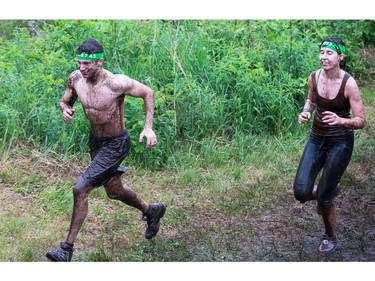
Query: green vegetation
point(215, 80)
point(227, 97)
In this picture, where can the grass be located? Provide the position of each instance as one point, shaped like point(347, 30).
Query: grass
point(211, 78)
point(214, 214)
point(226, 202)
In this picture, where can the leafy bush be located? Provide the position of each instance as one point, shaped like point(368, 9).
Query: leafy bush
point(212, 78)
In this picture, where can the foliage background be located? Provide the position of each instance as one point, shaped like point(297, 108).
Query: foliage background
point(216, 80)
point(227, 96)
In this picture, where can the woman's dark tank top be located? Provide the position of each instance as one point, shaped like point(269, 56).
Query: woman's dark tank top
point(339, 105)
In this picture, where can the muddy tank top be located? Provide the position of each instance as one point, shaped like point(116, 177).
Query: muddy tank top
point(339, 105)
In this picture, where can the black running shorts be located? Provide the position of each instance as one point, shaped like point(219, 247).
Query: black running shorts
point(106, 153)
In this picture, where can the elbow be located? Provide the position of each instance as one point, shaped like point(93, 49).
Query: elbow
point(145, 93)
point(361, 123)
point(356, 124)
point(151, 93)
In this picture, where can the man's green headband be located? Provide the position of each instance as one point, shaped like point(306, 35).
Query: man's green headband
point(339, 48)
point(91, 57)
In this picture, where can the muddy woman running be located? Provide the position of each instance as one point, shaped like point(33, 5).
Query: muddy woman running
point(333, 93)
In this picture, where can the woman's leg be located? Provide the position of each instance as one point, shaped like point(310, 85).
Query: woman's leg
point(338, 158)
point(309, 167)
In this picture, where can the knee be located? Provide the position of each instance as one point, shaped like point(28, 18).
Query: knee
point(301, 194)
point(111, 194)
point(81, 187)
point(327, 198)
point(114, 189)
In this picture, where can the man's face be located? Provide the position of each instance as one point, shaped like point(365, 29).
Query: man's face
point(87, 68)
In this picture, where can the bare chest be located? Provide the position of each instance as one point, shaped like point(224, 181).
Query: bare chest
point(96, 97)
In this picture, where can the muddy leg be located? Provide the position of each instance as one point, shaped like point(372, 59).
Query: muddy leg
point(329, 219)
point(81, 192)
point(116, 190)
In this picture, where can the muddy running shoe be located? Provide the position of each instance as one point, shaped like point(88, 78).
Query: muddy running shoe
point(63, 253)
point(153, 215)
point(327, 245)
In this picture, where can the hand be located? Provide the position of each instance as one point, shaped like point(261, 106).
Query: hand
point(68, 114)
point(150, 136)
point(331, 118)
point(304, 117)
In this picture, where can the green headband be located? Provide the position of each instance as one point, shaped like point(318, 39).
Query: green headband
point(337, 47)
point(91, 57)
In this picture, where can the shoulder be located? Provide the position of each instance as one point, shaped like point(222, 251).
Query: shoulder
point(312, 77)
point(118, 82)
point(314, 74)
point(76, 74)
point(109, 76)
point(351, 82)
point(74, 77)
point(122, 78)
point(351, 87)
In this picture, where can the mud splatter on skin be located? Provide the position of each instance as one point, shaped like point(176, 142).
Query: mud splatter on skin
point(102, 104)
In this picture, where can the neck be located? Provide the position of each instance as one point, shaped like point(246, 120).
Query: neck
point(96, 77)
point(333, 73)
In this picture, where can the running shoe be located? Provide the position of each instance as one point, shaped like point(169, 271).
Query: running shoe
point(153, 215)
point(327, 245)
point(63, 253)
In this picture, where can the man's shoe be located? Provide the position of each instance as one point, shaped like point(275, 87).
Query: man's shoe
point(328, 244)
point(63, 253)
point(153, 215)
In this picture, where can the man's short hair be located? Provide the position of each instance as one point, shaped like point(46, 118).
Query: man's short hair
point(90, 46)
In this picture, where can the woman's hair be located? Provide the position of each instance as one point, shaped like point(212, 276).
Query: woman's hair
point(90, 46)
point(336, 41)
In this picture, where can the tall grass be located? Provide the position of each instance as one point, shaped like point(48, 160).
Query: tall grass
point(228, 200)
point(227, 97)
point(213, 79)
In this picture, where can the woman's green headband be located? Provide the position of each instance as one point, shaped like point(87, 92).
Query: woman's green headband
point(91, 57)
point(339, 48)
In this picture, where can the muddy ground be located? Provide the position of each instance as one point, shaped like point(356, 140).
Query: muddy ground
point(291, 231)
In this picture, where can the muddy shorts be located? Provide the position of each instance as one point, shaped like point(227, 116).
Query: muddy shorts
point(106, 153)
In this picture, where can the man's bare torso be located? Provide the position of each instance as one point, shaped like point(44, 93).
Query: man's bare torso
point(103, 104)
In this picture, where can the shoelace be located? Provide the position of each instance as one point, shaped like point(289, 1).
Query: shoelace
point(325, 242)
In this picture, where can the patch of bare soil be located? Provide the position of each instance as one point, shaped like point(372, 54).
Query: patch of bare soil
point(291, 231)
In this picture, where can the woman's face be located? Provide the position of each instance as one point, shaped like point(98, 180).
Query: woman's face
point(329, 59)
